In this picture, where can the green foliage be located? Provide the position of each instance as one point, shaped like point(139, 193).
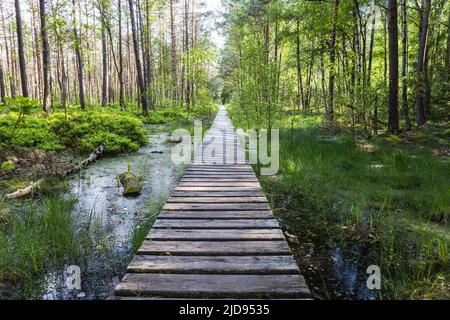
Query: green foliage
point(21, 105)
point(82, 132)
point(35, 239)
point(7, 165)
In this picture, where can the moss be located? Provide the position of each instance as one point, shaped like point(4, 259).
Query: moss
point(131, 184)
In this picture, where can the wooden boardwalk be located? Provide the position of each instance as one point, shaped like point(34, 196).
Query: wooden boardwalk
point(216, 236)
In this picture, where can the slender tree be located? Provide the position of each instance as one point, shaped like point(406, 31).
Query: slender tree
point(393, 121)
point(21, 50)
point(329, 110)
point(104, 55)
point(140, 77)
point(173, 44)
point(405, 107)
point(79, 58)
point(46, 101)
point(422, 64)
point(2, 85)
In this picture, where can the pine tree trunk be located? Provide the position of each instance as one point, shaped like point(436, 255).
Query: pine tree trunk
point(173, 44)
point(104, 62)
point(405, 108)
point(79, 58)
point(393, 122)
point(45, 58)
point(121, 81)
point(21, 50)
point(329, 111)
point(2, 85)
point(422, 65)
point(140, 78)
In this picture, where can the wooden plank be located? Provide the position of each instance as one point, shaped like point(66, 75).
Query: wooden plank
point(215, 234)
point(223, 166)
point(214, 189)
point(252, 184)
point(214, 265)
point(230, 194)
point(216, 206)
point(215, 248)
point(213, 286)
point(218, 179)
point(216, 199)
point(251, 214)
point(216, 224)
point(227, 172)
point(220, 169)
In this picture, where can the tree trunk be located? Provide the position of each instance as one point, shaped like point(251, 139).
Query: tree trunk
point(45, 58)
point(447, 55)
point(393, 125)
point(300, 93)
point(104, 59)
point(186, 39)
point(80, 65)
point(140, 77)
point(405, 108)
point(21, 50)
point(329, 111)
point(173, 44)
point(121, 83)
point(2, 85)
point(422, 65)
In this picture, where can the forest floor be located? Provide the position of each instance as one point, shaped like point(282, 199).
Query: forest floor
point(349, 203)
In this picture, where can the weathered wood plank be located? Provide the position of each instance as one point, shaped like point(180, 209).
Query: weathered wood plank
point(216, 224)
point(214, 189)
point(206, 194)
point(213, 286)
point(225, 199)
point(250, 214)
point(214, 265)
point(218, 184)
point(220, 173)
point(215, 234)
point(216, 206)
point(218, 179)
point(215, 248)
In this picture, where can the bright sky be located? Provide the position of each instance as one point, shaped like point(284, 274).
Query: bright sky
point(216, 7)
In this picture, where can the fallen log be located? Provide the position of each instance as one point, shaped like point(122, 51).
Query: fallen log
point(86, 162)
point(34, 186)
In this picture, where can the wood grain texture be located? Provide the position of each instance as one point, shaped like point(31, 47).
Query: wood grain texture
point(215, 224)
point(214, 265)
point(213, 286)
point(217, 214)
point(215, 234)
point(215, 248)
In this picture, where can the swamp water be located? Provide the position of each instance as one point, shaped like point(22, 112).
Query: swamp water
point(110, 218)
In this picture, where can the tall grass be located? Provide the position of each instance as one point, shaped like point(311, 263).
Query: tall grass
point(34, 240)
point(330, 190)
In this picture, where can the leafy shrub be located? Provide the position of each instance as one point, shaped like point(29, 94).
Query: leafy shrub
point(82, 132)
